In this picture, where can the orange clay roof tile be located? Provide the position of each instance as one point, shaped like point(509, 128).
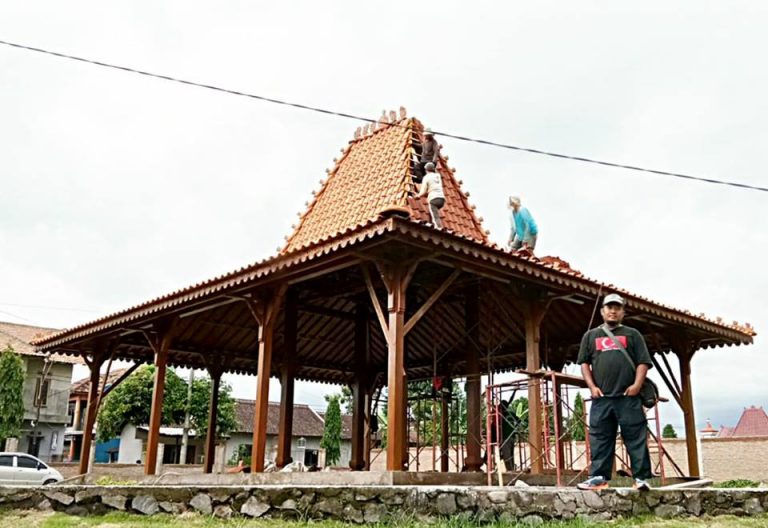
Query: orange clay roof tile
point(374, 175)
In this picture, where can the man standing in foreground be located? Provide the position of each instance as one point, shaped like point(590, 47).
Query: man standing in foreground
point(523, 232)
point(615, 386)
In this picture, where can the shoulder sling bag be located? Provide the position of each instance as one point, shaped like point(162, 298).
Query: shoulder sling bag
point(649, 392)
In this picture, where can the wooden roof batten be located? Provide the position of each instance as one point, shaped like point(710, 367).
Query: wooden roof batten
point(363, 215)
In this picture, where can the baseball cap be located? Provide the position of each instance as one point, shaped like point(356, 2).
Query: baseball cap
point(613, 298)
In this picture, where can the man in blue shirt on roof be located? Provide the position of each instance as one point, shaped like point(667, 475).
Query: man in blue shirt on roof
point(524, 231)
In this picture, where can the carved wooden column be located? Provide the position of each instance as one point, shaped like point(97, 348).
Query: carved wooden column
point(396, 384)
point(360, 387)
point(160, 341)
point(94, 364)
point(684, 350)
point(533, 314)
point(264, 309)
point(473, 461)
point(213, 414)
point(287, 382)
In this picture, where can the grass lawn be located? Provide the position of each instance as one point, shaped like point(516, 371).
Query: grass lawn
point(120, 520)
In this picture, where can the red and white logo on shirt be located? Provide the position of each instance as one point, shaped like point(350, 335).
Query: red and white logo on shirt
point(606, 343)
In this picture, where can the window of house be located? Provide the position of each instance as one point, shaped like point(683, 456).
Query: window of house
point(6, 460)
point(301, 443)
point(41, 392)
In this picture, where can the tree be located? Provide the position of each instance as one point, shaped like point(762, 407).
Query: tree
point(331, 441)
point(201, 400)
point(576, 425)
point(669, 432)
point(346, 399)
point(11, 394)
point(131, 402)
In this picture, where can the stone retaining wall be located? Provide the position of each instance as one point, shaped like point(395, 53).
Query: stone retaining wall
point(375, 503)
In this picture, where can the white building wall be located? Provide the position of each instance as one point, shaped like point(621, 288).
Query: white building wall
point(131, 448)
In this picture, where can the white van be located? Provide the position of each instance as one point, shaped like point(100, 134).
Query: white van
point(21, 469)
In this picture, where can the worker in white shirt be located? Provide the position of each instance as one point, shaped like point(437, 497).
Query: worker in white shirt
point(432, 188)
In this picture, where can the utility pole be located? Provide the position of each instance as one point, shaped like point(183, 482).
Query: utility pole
point(185, 436)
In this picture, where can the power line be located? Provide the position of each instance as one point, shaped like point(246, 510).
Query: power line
point(368, 120)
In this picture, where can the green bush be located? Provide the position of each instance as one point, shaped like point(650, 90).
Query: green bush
point(737, 483)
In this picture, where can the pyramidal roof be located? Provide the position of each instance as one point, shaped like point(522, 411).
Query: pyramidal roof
point(753, 422)
point(374, 176)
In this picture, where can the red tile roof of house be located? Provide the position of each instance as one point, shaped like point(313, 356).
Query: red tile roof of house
point(306, 422)
point(753, 422)
point(83, 386)
point(374, 175)
point(20, 337)
point(725, 432)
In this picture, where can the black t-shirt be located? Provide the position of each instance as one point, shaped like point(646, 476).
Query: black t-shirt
point(610, 368)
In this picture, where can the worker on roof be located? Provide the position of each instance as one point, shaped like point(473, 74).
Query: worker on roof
point(523, 231)
point(429, 153)
point(432, 188)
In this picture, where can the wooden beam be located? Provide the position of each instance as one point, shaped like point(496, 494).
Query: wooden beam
point(267, 309)
point(684, 352)
point(534, 314)
point(415, 318)
point(672, 389)
point(375, 301)
point(121, 379)
point(160, 342)
point(287, 373)
point(213, 415)
point(94, 364)
point(360, 386)
point(396, 380)
point(473, 461)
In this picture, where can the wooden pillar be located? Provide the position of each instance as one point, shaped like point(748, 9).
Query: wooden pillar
point(213, 414)
point(360, 387)
point(473, 462)
point(75, 427)
point(161, 343)
point(397, 389)
point(445, 432)
point(534, 313)
point(684, 352)
point(287, 382)
point(90, 418)
point(265, 311)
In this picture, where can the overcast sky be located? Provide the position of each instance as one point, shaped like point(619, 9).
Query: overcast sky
point(117, 188)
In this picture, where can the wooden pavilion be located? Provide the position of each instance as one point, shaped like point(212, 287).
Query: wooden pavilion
point(367, 293)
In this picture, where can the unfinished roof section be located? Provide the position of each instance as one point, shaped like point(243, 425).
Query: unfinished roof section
point(374, 177)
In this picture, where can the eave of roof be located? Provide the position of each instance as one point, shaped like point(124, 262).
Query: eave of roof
point(488, 254)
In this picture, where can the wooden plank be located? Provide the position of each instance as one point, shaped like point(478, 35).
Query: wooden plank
point(375, 302)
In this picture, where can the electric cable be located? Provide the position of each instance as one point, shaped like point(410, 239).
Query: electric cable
point(368, 120)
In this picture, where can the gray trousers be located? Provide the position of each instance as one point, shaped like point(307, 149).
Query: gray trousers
point(435, 204)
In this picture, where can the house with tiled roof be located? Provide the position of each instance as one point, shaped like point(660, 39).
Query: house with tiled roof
point(46, 391)
point(77, 409)
point(752, 423)
point(307, 429)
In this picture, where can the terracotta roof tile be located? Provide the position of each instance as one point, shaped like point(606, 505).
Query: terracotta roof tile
point(374, 175)
point(83, 386)
point(20, 337)
point(753, 422)
point(306, 422)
